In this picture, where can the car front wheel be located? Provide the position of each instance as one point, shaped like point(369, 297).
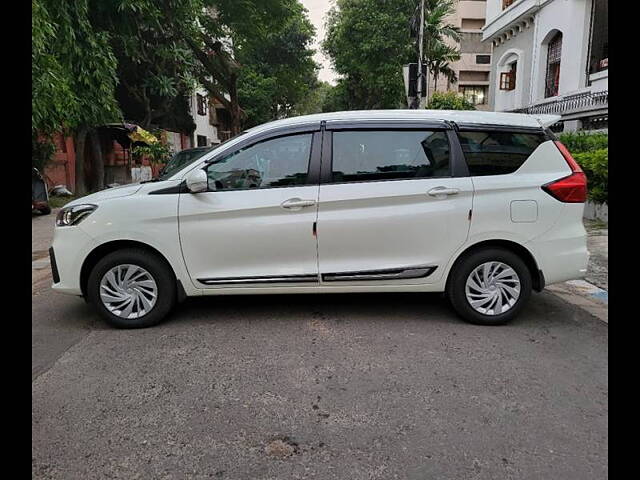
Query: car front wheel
point(489, 287)
point(132, 288)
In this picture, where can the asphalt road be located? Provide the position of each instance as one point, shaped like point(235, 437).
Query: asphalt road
point(326, 387)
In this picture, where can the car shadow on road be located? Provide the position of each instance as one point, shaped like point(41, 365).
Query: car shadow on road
point(338, 307)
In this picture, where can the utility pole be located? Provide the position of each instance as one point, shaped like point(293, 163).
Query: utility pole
point(420, 42)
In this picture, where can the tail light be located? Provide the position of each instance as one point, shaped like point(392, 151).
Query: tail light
point(570, 189)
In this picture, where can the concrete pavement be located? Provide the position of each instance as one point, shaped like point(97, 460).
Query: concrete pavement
point(317, 386)
point(324, 386)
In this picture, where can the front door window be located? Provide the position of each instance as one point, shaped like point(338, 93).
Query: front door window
point(279, 162)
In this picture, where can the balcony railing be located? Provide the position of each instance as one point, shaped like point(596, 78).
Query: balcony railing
point(570, 104)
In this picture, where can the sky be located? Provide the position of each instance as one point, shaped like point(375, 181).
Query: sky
point(317, 9)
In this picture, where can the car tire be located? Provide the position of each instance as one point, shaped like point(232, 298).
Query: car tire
point(45, 210)
point(501, 295)
point(113, 296)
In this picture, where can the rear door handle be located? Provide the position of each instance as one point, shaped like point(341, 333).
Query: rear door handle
point(297, 203)
point(442, 191)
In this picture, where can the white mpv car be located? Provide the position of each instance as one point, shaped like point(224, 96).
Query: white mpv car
point(483, 206)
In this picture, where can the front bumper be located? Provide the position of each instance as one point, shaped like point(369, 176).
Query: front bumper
point(69, 249)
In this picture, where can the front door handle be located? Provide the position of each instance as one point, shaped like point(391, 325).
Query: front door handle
point(297, 203)
point(442, 191)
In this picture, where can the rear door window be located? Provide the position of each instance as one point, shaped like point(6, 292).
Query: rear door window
point(374, 155)
point(497, 153)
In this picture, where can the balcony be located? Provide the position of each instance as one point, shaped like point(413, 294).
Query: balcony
point(571, 106)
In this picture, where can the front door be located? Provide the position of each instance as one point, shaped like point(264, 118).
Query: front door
point(254, 227)
point(392, 211)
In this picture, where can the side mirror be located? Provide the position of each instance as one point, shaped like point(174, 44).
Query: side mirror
point(197, 181)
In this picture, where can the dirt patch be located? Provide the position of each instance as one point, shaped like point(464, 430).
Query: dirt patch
point(281, 447)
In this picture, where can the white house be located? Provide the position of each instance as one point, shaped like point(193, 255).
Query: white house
point(206, 131)
point(550, 56)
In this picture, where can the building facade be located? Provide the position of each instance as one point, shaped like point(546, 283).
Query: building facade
point(473, 68)
point(550, 56)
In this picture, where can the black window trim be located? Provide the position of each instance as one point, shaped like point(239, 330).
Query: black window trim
point(457, 164)
point(490, 127)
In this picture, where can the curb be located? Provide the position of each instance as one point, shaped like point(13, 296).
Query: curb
point(584, 295)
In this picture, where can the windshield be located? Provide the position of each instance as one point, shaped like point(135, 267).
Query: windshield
point(181, 160)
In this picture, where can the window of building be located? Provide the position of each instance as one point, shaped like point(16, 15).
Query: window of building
point(472, 23)
point(202, 141)
point(599, 46)
point(552, 78)
point(278, 162)
point(508, 78)
point(507, 3)
point(473, 76)
point(201, 101)
point(483, 59)
point(471, 42)
point(497, 153)
point(360, 156)
point(476, 94)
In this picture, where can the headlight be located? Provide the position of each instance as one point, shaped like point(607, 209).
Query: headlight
point(68, 216)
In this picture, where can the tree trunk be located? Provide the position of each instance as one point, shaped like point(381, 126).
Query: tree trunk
point(97, 161)
point(79, 140)
point(235, 106)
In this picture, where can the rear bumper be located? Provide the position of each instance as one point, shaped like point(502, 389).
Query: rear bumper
point(562, 259)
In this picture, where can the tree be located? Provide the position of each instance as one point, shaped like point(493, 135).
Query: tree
point(315, 100)
point(437, 31)
point(277, 68)
point(439, 63)
point(78, 71)
point(368, 42)
point(53, 103)
point(155, 67)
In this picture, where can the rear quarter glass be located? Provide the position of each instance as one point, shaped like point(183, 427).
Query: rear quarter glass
point(494, 152)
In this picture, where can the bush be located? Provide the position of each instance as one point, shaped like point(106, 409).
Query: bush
point(579, 142)
point(449, 101)
point(596, 166)
point(591, 151)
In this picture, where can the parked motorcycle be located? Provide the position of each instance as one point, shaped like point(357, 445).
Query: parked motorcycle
point(39, 193)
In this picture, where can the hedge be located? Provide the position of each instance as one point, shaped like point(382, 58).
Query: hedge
point(591, 151)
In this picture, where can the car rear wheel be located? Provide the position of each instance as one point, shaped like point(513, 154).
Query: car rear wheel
point(132, 288)
point(490, 286)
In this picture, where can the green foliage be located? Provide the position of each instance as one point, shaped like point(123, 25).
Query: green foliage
point(337, 98)
point(449, 101)
point(52, 99)
point(73, 68)
point(578, 142)
point(158, 152)
point(42, 150)
point(368, 42)
point(155, 68)
point(591, 151)
point(315, 99)
point(596, 166)
point(277, 69)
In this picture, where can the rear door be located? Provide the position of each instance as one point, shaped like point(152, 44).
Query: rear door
point(394, 203)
